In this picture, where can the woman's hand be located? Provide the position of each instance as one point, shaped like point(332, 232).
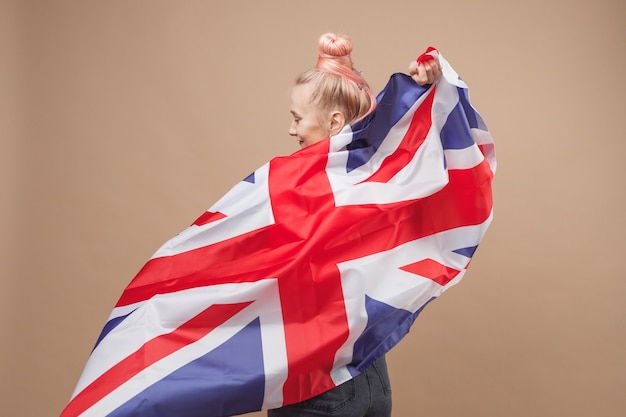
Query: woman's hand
point(425, 72)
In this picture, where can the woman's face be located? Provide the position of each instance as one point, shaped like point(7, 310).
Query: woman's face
point(308, 122)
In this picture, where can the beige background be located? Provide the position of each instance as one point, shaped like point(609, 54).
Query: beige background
point(121, 121)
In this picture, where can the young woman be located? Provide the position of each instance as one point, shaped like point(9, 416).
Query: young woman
point(245, 309)
point(324, 100)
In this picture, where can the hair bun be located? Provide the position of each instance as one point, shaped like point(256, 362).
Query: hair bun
point(334, 46)
point(337, 82)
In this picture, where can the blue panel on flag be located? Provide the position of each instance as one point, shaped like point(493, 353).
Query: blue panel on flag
point(474, 119)
point(211, 386)
point(455, 133)
point(111, 324)
point(469, 251)
point(250, 178)
point(382, 320)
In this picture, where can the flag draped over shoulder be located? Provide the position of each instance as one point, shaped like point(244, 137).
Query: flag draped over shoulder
point(307, 271)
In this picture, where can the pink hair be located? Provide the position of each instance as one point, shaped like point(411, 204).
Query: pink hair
point(337, 84)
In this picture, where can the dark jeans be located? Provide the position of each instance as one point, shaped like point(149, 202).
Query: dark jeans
point(366, 395)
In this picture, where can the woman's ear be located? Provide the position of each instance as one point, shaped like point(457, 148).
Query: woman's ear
point(337, 122)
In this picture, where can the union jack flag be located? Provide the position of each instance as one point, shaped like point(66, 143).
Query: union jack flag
point(307, 271)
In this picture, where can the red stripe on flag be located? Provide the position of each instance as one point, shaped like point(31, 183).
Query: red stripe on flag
point(151, 352)
point(411, 142)
point(301, 197)
point(208, 217)
point(431, 269)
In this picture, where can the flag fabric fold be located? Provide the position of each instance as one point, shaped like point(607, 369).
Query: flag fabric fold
point(305, 272)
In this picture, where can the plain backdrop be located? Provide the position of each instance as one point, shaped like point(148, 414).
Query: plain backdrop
point(122, 121)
